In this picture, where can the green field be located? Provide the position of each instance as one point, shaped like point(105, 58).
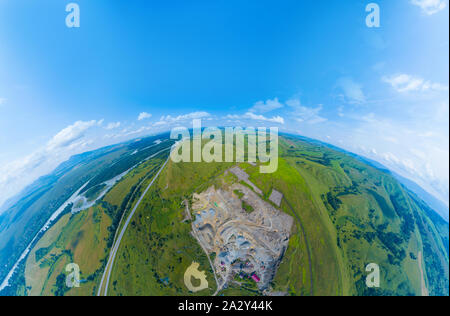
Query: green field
point(347, 214)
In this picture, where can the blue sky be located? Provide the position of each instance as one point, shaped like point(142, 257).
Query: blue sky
point(309, 67)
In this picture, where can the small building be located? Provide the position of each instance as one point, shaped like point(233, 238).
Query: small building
point(256, 278)
point(276, 197)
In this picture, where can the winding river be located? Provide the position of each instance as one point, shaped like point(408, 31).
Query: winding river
point(81, 202)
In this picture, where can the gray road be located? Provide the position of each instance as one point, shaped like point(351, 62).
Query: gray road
point(110, 264)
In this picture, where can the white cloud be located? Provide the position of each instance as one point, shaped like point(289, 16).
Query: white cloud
point(416, 149)
point(408, 83)
point(300, 113)
point(255, 117)
point(143, 116)
point(352, 90)
point(69, 135)
point(275, 119)
point(168, 119)
point(404, 83)
point(2, 101)
point(304, 114)
point(14, 176)
point(111, 126)
point(433, 86)
point(160, 123)
point(266, 106)
point(430, 6)
point(140, 130)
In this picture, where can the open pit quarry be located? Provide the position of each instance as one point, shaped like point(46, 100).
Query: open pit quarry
point(248, 244)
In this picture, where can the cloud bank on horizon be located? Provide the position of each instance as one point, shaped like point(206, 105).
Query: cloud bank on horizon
point(430, 7)
point(385, 98)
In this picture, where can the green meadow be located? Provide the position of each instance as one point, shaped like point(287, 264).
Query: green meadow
point(347, 214)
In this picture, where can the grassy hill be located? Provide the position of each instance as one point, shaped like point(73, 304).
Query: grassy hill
point(34, 206)
point(374, 220)
point(347, 214)
point(84, 238)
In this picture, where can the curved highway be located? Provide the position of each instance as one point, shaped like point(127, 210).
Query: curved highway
point(110, 264)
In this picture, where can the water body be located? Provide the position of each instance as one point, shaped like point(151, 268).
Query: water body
point(75, 199)
point(82, 203)
point(44, 228)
